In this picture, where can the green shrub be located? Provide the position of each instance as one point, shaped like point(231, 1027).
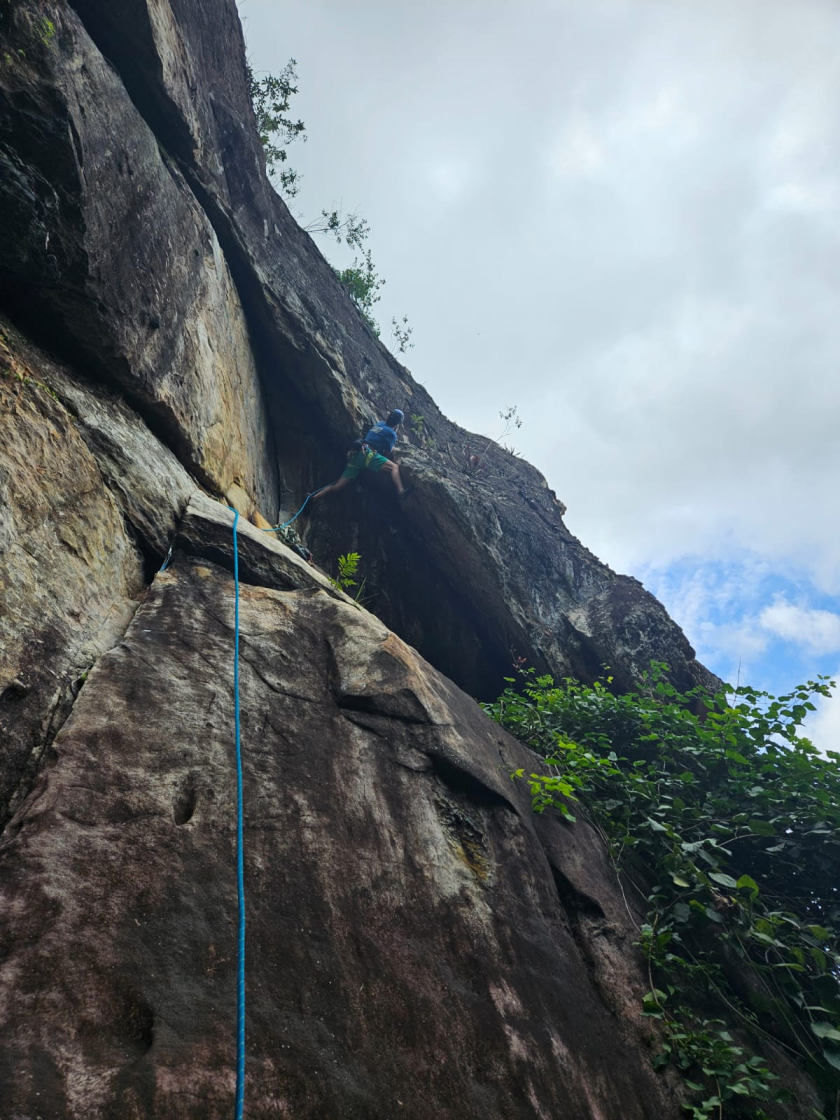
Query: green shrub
point(725, 822)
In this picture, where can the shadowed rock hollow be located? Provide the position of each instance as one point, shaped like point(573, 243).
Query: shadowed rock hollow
point(172, 343)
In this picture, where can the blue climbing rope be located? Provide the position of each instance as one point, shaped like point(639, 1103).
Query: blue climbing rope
point(240, 855)
point(277, 528)
point(240, 861)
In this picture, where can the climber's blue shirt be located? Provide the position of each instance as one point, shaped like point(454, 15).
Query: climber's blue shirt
point(381, 438)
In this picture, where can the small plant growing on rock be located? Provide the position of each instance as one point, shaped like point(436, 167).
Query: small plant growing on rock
point(45, 30)
point(418, 430)
point(473, 461)
point(363, 283)
point(349, 229)
point(348, 569)
point(401, 333)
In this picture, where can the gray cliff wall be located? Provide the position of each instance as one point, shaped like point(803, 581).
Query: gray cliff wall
point(419, 945)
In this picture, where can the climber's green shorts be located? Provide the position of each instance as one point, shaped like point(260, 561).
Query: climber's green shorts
point(369, 460)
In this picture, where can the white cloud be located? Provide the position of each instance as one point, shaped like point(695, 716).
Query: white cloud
point(450, 178)
point(715, 606)
point(819, 630)
point(748, 621)
point(577, 150)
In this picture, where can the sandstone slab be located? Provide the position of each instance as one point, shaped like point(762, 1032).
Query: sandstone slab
point(70, 571)
point(408, 951)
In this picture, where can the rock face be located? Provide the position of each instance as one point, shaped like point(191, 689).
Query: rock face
point(171, 344)
point(107, 246)
point(481, 564)
point(409, 952)
point(70, 573)
point(85, 489)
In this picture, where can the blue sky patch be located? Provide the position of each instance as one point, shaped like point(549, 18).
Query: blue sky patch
point(748, 620)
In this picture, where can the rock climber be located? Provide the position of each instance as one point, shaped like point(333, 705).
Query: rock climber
point(369, 454)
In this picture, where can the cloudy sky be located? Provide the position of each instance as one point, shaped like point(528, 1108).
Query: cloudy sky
point(623, 217)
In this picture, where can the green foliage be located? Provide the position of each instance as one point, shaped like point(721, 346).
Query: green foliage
point(512, 420)
point(45, 30)
point(401, 333)
point(15, 375)
point(363, 284)
point(35, 29)
point(348, 229)
point(418, 430)
point(271, 96)
point(726, 821)
point(348, 569)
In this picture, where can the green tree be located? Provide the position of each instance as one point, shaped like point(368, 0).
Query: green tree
point(271, 96)
point(363, 284)
point(725, 822)
point(350, 229)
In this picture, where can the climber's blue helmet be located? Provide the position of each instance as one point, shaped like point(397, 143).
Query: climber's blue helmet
point(396, 416)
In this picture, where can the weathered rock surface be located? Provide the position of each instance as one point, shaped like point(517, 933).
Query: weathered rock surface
point(408, 951)
point(86, 491)
point(106, 252)
point(70, 574)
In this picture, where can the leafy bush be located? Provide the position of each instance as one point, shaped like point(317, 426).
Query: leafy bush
point(271, 97)
point(726, 823)
point(363, 283)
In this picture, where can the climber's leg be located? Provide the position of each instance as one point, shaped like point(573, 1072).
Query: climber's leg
point(333, 486)
point(394, 471)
